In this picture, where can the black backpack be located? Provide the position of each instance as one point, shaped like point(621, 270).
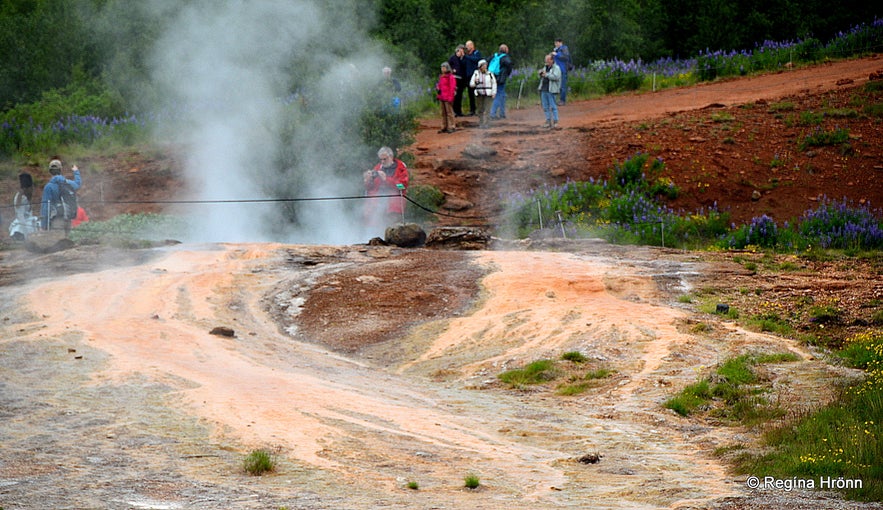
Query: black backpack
point(68, 207)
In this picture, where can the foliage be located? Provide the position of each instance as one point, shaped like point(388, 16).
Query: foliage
point(259, 462)
point(128, 229)
point(819, 137)
point(624, 210)
point(429, 199)
point(536, 372)
point(471, 481)
point(732, 392)
point(842, 439)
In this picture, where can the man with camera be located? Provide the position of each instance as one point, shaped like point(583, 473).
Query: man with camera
point(388, 179)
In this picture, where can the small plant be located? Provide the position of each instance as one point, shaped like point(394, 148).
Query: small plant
point(825, 314)
point(574, 356)
point(538, 372)
point(259, 462)
point(784, 106)
point(819, 138)
point(413, 485)
point(471, 481)
point(690, 398)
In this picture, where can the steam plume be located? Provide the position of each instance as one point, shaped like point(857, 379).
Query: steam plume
point(265, 94)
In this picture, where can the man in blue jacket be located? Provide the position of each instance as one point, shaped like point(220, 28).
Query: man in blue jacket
point(562, 57)
point(51, 216)
point(470, 61)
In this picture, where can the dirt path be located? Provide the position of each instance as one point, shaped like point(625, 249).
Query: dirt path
point(115, 395)
point(630, 107)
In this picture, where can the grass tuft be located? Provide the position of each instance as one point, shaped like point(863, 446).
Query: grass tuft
point(259, 462)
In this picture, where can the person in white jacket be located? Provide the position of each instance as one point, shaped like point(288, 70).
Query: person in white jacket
point(485, 86)
point(550, 83)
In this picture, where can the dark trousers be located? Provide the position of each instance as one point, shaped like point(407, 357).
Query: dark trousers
point(471, 92)
point(458, 97)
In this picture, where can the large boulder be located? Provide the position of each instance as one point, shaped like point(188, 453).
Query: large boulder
point(460, 238)
point(405, 235)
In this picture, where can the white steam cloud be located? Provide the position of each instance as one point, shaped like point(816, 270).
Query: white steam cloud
point(240, 76)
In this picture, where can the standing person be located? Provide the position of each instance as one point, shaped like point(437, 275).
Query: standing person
point(485, 86)
point(51, 211)
point(458, 68)
point(562, 57)
point(550, 81)
point(498, 108)
point(385, 179)
point(447, 90)
point(393, 87)
point(471, 60)
point(25, 223)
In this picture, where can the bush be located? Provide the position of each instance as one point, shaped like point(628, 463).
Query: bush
point(428, 199)
point(259, 462)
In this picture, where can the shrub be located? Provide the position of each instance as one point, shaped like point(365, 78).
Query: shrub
point(471, 481)
point(575, 356)
point(534, 373)
point(428, 200)
point(259, 462)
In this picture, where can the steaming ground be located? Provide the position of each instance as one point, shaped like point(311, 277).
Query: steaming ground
point(239, 100)
point(115, 394)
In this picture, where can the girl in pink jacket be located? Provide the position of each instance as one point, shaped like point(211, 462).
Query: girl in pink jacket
point(447, 89)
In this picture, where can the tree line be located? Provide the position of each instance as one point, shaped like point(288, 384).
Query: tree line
point(48, 44)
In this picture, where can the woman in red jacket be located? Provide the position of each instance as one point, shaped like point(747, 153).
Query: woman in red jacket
point(388, 178)
point(447, 89)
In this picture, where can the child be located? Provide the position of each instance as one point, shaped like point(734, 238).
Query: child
point(447, 89)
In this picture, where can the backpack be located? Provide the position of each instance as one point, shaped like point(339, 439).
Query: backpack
point(68, 207)
point(493, 66)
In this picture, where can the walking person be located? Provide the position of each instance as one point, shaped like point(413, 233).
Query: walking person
point(470, 61)
point(447, 90)
point(498, 108)
point(561, 54)
point(485, 86)
point(550, 81)
point(458, 68)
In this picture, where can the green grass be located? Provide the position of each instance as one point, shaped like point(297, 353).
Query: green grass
point(580, 383)
point(537, 372)
point(843, 439)
point(575, 356)
point(259, 462)
point(471, 481)
point(413, 485)
point(733, 392)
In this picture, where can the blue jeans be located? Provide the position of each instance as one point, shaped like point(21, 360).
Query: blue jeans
point(498, 109)
point(550, 106)
point(563, 90)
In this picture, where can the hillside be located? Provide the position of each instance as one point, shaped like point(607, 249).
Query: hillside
point(141, 378)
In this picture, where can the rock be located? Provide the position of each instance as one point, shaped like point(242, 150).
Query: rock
point(755, 195)
point(462, 238)
point(405, 235)
point(479, 151)
point(456, 204)
point(48, 242)
point(590, 458)
point(222, 331)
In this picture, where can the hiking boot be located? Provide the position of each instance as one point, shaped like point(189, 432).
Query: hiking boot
point(548, 124)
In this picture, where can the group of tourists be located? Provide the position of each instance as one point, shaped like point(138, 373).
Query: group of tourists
point(58, 203)
point(483, 81)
